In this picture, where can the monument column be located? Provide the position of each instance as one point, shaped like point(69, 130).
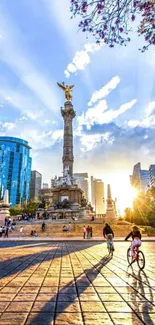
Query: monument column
point(110, 213)
point(68, 114)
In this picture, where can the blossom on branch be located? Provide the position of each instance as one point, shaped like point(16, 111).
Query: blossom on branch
point(110, 21)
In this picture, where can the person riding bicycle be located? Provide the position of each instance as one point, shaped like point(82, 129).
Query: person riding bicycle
point(109, 235)
point(136, 239)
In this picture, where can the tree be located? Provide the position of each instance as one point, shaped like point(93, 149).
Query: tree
point(128, 214)
point(110, 21)
point(15, 211)
point(31, 207)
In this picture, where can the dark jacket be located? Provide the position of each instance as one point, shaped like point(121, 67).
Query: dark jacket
point(134, 234)
point(107, 230)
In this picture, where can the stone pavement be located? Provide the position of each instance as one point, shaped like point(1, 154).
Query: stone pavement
point(68, 239)
point(74, 283)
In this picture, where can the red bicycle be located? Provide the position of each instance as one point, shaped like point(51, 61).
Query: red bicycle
point(138, 257)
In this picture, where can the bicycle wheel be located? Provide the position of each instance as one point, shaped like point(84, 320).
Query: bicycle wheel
point(141, 260)
point(129, 257)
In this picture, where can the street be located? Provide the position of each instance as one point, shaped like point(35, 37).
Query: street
point(74, 283)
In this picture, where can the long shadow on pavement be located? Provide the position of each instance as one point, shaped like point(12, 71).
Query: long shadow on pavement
point(45, 317)
point(16, 264)
point(142, 306)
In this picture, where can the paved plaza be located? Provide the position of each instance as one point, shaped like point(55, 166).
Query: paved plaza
point(74, 283)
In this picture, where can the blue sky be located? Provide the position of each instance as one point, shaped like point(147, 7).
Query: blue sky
point(114, 93)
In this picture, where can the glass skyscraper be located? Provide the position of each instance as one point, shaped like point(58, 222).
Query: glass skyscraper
point(152, 175)
point(15, 169)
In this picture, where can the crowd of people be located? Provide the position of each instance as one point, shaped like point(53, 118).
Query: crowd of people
point(108, 234)
point(9, 225)
point(87, 232)
point(67, 228)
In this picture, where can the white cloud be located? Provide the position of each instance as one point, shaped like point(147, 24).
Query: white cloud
point(40, 140)
point(104, 91)
point(148, 120)
point(57, 135)
point(133, 123)
point(93, 115)
point(100, 115)
point(81, 58)
point(90, 141)
point(8, 125)
point(23, 118)
point(149, 109)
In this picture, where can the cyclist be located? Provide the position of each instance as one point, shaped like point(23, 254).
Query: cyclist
point(136, 239)
point(109, 235)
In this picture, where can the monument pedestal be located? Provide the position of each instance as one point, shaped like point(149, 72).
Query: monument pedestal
point(71, 193)
point(110, 217)
point(4, 213)
point(110, 211)
point(4, 208)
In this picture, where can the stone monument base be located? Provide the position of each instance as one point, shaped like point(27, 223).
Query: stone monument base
point(110, 217)
point(4, 213)
point(70, 192)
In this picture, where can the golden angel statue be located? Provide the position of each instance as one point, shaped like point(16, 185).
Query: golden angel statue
point(66, 89)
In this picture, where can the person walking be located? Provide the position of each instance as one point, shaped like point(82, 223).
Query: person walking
point(6, 232)
point(84, 232)
point(91, 232)
point(43, 226)
point(88, 232)
point(21, 231)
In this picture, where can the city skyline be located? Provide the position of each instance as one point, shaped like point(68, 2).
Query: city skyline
point(113, 95)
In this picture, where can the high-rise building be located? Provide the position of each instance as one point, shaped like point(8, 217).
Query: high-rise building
point(140, 178)
point(97, 195)
point(152, 175)
point(144, 180)
point(15, 169)
point(45, 185)
point(135, 177)
point(35, 185)
point(82, 182)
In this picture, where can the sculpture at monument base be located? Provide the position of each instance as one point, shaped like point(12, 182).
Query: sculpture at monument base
point(4, 208)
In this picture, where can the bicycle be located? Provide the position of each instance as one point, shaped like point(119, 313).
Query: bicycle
point(138, 257)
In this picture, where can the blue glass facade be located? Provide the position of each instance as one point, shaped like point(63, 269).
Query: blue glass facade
point(15, 169)
point(144, 180)
point(152, 175)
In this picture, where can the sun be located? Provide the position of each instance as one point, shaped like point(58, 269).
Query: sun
point(133, 193)
point(123, 191)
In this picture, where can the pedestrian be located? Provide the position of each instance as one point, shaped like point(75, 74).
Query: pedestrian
point(69, 226)
point(88, 232)
point(43, 226)
point(21, 231)
point(91, 232)
point(1, 229)
point(84, 232)
point(6, 232)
